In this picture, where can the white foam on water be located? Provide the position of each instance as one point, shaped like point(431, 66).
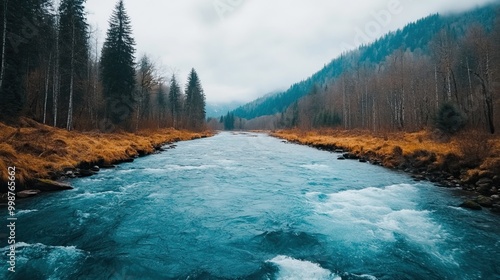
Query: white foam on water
point(226, 161)
point(82, 216)
point(27, 211)
point(379, 213)
point(382, 214)
point(359, 276)
point(315, 166)
point(458, 208)
point(55, 252)
point(291, 269)
point(124, 188)
point(232, 168)
point(175, 167)
point(368, 277)
point(414, 225)
point(154, 170)
point(90, 180)
point(61, 260)
point(89, 195)
point(125, 171)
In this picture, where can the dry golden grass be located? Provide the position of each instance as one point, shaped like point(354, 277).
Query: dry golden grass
point(37, 150)
point(484, 150)
point(358, 141)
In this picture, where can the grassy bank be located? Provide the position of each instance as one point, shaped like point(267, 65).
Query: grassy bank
point(42, 152)
point(469, 160)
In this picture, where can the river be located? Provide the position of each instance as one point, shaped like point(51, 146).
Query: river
point(247, 206)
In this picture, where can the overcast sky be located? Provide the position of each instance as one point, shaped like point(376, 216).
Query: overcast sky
point(243, 49)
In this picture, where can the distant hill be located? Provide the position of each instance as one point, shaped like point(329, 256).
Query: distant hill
point(414, 37)
point(215, 110)
point(251, 110)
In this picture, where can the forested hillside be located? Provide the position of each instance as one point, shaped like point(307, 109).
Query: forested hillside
point(53, 70)
point(444, 65)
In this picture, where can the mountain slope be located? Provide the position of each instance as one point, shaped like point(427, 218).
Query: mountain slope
point(215, 110)
point(415, 36)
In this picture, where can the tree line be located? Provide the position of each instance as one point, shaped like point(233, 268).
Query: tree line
point(52, 71)
point(409, 90)
point(450, 82)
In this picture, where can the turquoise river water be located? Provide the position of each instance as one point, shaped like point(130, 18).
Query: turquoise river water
point(247, 206)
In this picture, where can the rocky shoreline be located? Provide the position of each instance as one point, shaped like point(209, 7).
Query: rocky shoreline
point(45, 158)
point(480, 188)
point(58, 180)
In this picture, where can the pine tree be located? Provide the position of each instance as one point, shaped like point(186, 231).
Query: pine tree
point(145, 79)
point(162, 104)
point(450, 119)
point(174, 99)
point(11, 94)
point(117, 67)
point(195, 102)
point(22, 23)
point(229, 121)
point(74, 49)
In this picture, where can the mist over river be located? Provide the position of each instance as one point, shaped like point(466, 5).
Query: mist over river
point(247, 206)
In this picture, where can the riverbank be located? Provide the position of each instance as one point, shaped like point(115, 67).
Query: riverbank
point(42, 153)
point(470, 161)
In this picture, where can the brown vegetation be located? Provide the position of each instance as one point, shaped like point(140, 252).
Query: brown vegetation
point(40, 151)
point(463, 160)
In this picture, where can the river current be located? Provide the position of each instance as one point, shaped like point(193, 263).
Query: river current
point(247, 206)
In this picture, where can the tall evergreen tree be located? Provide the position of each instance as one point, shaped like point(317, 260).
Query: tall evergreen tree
point(162, 103)
point(74, 50)
point(195, 102)
point(146, 81)
point(22, 23)
point(117, 67)
point(229, 121)
point(174, 99)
